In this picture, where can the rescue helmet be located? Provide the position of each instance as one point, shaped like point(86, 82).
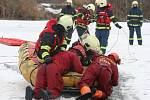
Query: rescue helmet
point(91, 42)
point(66, 21)
point(134, 3)
point(90, 7)
point(69, 2)
point(101, 3)
point(115, 56)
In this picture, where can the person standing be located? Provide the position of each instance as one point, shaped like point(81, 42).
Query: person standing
point(104, 16)
point(134, 22)
point(68, 9)
point(83, 18)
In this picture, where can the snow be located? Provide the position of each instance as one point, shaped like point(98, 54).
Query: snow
point(134, 70)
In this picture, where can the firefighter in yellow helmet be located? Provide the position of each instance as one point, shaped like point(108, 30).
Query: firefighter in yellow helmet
point(68, 9)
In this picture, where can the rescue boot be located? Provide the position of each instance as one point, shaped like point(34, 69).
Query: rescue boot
point(44, 94)
point(29, 93)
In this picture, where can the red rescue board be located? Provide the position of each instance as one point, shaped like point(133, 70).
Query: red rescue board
point(12, 41)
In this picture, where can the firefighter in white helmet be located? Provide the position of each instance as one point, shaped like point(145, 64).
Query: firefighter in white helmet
point(52, 39)
point(83, 18)
point(91, 42)
point(134, 22)
point(68, 9)
point(104, 16)
point(103, 70)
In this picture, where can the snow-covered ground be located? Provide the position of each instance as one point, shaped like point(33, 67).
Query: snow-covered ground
point(134, 70)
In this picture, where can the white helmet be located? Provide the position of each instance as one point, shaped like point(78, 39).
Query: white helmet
point(134, 3)
point(69, 1)
point(101, 3)
point(91, 43)
point(90, 7)
point(66, 21)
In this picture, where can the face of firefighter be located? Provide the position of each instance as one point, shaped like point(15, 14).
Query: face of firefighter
point(101, 3)
point(69, 2)
point(91, 7)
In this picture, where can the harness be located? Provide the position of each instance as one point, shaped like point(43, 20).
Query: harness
point(103, 17)
point(85, 19)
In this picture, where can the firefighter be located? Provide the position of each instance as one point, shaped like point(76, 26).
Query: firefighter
point(68, 9)
point(104, 71)
point(103, 18)
point(49, 76)
point(52, 39)
point(134, 22)
point(83, 18)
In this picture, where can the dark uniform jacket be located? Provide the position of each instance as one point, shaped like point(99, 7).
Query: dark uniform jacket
point(135, 17)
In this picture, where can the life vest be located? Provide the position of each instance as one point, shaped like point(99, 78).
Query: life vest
point(103, 16)
point(48, 29)
point(85, 20)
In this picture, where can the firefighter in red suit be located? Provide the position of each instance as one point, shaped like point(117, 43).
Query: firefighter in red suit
point(103, 70)
point(103, 17)
point(52, 39)
point(83, 18)
point(49, 77)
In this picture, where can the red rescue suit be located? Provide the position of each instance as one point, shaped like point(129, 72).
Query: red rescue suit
point(83, 16)
point(50, 76)
point(104, 71)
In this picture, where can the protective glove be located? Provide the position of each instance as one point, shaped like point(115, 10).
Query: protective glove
point(84, 90)
point(48, 60)
point(117, 25)
point(98, 94)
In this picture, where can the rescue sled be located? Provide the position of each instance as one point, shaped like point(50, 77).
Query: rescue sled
point(28, 66)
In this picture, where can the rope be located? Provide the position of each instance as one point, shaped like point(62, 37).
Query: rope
point(132, 58)
point(114, 43)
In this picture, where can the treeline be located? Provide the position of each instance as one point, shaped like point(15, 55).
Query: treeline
point(30, 9)
point(21, 9)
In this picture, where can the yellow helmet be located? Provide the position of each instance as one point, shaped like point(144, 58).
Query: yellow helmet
point(134, 3)
point(91, 43)
point(90, 7)
point(66, 21)
point(101, 3)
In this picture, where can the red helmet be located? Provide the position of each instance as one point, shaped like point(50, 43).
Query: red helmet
point(115, 56)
